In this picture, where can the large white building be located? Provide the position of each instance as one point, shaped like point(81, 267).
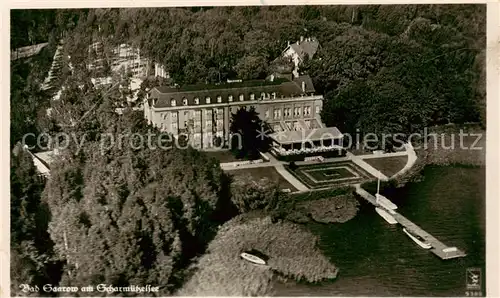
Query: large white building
point(288, 104)
point(203, 112)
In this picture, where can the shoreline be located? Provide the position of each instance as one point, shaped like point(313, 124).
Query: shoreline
point(330, 207)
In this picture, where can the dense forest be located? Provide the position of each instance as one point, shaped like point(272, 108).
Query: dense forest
point(140, 216)
point(382, 69)
point(32, 26)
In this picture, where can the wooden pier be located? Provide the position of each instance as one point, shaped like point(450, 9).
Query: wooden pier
point(438, 248)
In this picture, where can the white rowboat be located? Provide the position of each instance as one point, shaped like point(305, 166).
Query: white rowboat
point(252, 258)
point(418, 240)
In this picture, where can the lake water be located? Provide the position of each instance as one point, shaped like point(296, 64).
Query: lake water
point(377, 259)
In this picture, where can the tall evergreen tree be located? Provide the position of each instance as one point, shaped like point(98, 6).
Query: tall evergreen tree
point(249, 134)
point(31, 248)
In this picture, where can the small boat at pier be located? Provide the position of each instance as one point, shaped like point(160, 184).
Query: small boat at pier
point(450, 249)
point(385, 202)
point(417, 239)
point(385, 215)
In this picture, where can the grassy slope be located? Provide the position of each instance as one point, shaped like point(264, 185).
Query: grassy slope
point(388, 165)
point(264, 172)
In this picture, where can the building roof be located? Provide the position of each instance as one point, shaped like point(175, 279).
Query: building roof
point(46, 157)
point(309, 46)
point(308, 83)
point(41, 167)
point(299, 136)
point(282, 87)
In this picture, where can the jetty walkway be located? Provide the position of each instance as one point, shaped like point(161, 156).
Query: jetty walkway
point(438, 248)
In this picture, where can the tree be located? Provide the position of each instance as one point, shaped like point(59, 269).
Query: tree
point(194, 72)
point(248, 195)
point(283, 65)
point(251, 67)
point(251, 130)
point(27, 98)
point(130, 214)
point(32, 255)
point(124, 215)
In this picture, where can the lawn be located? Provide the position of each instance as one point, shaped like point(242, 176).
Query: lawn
point(388, 165)
point(264, 172)
point(330, 174)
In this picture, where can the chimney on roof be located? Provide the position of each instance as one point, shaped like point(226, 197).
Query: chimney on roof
point(301, 39)
point(288, 43)
point(272, 78)
point(303, 86)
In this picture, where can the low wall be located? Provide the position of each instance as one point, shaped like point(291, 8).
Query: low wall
point(241, 163)
point(412, 158)
point(314, 158)
point(302, 157)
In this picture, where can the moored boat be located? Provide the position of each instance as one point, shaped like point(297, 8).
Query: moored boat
point(385, 202)
point(385, 215)
point(252, 257)
point(417, 239)
point(450, 249)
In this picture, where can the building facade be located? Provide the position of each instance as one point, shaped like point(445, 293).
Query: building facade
point(298, 51)
point(203, 113)
point(160, 71)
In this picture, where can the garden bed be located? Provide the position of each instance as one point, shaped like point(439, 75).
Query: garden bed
point(323, 175)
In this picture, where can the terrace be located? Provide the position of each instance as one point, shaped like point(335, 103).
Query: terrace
point(298, 144)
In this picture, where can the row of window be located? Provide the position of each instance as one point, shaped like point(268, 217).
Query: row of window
point(295, 125)
point(197, 114)
point(287, 112)
point(208, 100)
point(174, 126)
point(196, 125)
